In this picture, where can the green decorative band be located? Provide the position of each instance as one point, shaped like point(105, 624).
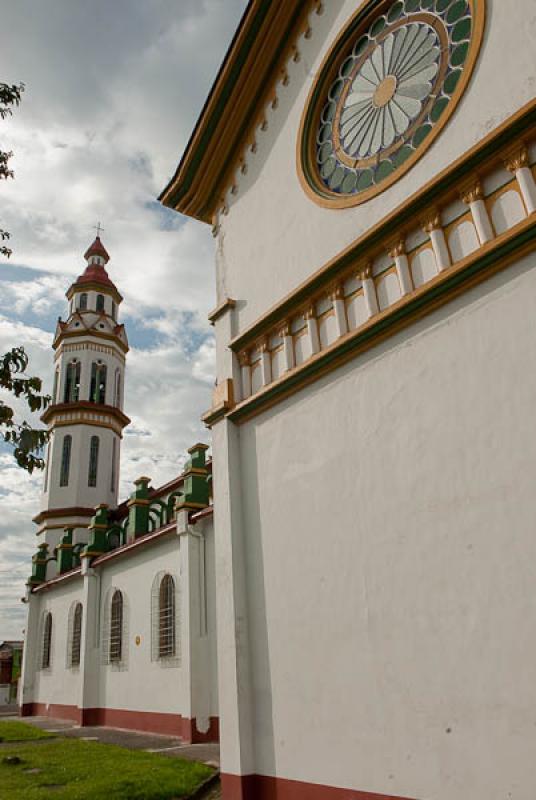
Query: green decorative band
point(402, 218)
point(514, 244)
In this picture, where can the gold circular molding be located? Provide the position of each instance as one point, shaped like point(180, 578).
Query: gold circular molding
point(404, 109)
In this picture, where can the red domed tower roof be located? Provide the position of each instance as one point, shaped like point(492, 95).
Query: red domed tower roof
point(97, 249)
point(95, 274)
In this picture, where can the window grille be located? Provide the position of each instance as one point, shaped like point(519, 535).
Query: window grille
point(165, 619)
point(93, 461)
point(116, 627)
point(47, 640)
point(65, 460)
point(97, 393)
point(83, 302)
point(100, 302)
point(75, 635)
point(72, 382)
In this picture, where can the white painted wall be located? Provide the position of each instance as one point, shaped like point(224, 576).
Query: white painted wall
point(140, 684)
point(187, 687)
point(77, 493)
point(60, 683)
point(295, 237)
point(389, 542)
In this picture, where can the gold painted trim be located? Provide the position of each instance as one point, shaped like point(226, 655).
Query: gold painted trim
point(227, 305)
point(320, 194)
point(255, 401)
point(93, 286)
point(113, 337)
point(388, 226)
point(67, 423)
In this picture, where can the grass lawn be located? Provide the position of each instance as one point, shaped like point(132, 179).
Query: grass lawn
point(69, 769)
point(14, 731)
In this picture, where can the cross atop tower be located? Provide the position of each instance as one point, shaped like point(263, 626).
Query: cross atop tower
point(98, 228)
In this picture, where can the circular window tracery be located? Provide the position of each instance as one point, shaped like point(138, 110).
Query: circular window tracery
point(385, 91)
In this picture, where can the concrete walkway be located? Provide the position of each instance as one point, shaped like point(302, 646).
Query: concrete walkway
point(133, 740)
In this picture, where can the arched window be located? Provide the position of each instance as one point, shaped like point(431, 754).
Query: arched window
point(114, 311)
point(97, 392)
point(116, 627)
point(55, 388)
point(47, 639)
point(65, 460)
point(93, 461)
point(117, 388)
point(166, 617)
point(76, 636)
point(82, 305)
point(100, 302)
point(113, 470)
point(47, 464)
point(72, 382)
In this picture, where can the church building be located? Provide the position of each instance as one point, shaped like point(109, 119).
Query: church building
point(367, 167)
point(351, 575)
point(121, 606)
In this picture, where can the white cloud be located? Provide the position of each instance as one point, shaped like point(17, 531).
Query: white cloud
point(113, 91)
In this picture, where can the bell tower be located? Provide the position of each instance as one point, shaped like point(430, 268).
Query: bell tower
point(85, 417)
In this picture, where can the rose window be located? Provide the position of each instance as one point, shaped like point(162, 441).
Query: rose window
point(386, 90)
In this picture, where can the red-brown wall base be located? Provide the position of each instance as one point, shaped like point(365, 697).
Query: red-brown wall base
point(147, 721)
point(262, 787)
point(54, 710)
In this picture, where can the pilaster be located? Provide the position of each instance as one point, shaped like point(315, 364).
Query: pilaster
point(89, 643)
point(516, 161)
point(473, 196)
point(30, 653)
point(312, 328)
point(337, 298)
point(369, 290)
point(432, 226)
point(397, 251)
point(288, 346)
point(234, 677)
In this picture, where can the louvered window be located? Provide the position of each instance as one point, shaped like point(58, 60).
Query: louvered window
point(66, 460)
point(97, 393)
point(72, 382)
point(47, 640)
point(76, 637)
point(93, 461)
point(116, 627)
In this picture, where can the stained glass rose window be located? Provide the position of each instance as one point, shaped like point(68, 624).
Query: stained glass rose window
point(386, 89)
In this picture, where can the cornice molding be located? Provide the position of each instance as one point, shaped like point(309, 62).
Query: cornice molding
point(53, 513)
point(244, 86)
point(93, 286)
point(422, 205)
point(49, 416)
point(480, 265)
point(81, 334)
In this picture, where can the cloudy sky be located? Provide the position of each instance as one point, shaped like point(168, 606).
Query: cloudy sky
point(113, 91)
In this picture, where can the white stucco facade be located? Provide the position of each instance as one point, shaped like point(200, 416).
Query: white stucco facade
point(294, 237)
point(373, 525)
